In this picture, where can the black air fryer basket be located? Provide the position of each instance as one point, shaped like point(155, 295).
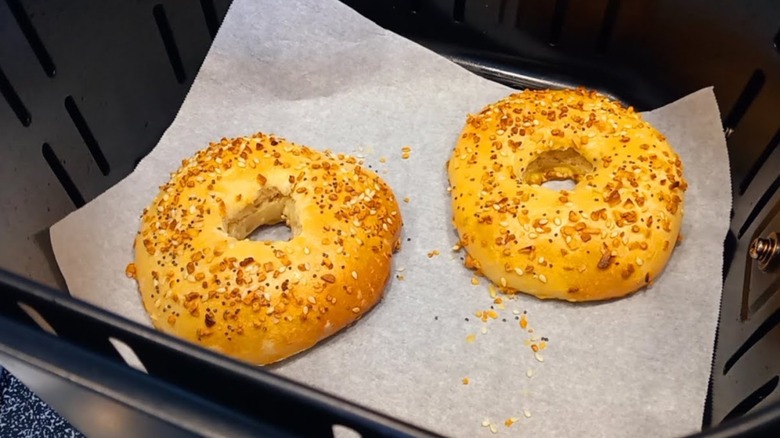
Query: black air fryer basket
point(89, 88)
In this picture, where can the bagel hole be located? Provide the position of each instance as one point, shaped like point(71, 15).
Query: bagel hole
point(270, 217)
point(277, 232)
point(559, 184)
point(558, 169)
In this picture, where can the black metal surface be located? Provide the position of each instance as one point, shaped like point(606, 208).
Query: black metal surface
point(87, 91)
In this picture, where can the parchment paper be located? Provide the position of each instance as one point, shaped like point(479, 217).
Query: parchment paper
point(319, 74)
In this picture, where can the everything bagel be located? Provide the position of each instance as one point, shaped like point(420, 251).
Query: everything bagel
point(609, 236)
point(201, 279)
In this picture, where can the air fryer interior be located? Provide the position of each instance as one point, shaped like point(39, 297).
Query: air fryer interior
point(88, 91)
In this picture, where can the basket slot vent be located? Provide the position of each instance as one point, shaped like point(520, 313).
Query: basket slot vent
point(502, 11)
point(458, 10)
point(753, 399)
point(767, 326)
point(768, 151)
point(25, 25)
point(128, 354)
point(62, 175)
point(558, 18)
point(729, 249)
point(210, 14)
point(161, 18)
point(607, 26)
point(86, 134)
point(759, 206)
point(16, 104)
point(776, 40)
point(746, 98)
point(37, 318)
point(340, 431)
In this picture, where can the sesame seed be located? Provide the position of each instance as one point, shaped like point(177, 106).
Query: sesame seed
point(538, 357)
point(529, 373)
point(527, 413)
point(519, 271)
point(533, 235)
point(354, 275)
point(493, 429)
point(639, 261)
point(484, 330)
point(542, 278)
point(356, 310)
point(503, 281)
point(485, 423)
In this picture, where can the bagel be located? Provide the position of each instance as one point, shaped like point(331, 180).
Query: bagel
point(610, 235)
point(202, 280)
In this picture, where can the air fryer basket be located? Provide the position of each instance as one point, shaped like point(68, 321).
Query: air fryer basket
point(88, 90)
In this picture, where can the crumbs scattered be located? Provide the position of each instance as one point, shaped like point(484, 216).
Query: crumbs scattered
point(433, 253)
point(534, 342)
point(406, 199)
point(383, 159)
point(130, 270)
point(405, 152)
point(475, 281)
point(486, 423)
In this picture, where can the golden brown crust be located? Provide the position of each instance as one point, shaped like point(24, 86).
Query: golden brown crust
point(609, 236)
point(257, 301)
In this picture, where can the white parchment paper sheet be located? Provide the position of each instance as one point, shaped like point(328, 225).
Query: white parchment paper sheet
point(319, 74)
